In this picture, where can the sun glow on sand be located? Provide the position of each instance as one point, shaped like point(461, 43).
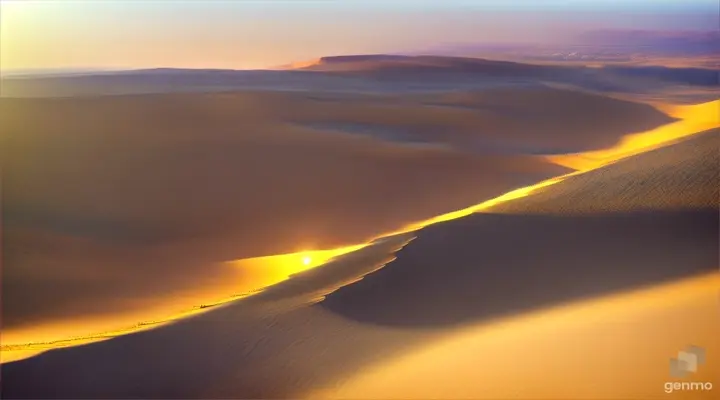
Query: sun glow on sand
point(261, 272)
point(256, 274)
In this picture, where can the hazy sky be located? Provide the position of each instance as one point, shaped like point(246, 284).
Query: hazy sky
point(255, 34)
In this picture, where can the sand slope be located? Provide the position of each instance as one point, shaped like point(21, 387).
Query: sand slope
point(455, 277)
point(639, 183)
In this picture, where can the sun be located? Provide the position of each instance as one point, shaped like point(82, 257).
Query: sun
point(306, 260)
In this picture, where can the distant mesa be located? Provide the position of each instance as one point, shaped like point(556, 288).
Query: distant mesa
point(335, 60)
point(301, 64)
point(410, 65)
point(419, 63)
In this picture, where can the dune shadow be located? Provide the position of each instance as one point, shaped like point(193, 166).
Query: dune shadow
point(491, 265)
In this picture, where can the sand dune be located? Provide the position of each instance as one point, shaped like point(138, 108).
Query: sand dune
point(432, 314)
point(466, 269)
point(172, 186)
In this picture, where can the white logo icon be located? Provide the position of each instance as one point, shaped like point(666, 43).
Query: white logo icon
point(687, 361)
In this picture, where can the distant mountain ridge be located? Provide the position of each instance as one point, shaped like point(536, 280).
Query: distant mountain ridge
point(667, 42)
point(632, 47)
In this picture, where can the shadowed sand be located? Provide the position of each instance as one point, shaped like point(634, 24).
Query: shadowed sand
point(614, 347)
point(162, 191)
point(282, 343)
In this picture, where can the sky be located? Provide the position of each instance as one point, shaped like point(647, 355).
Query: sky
point(65, 34)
